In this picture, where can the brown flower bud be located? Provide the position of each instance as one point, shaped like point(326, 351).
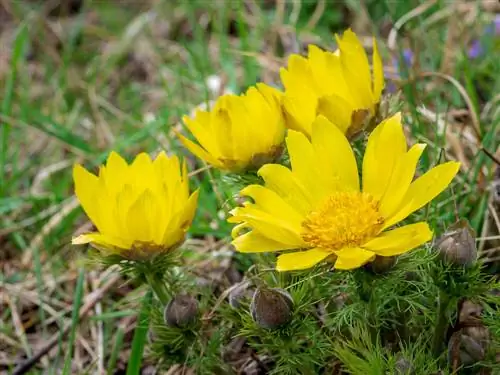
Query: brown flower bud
point(271, 308)
point(381, 265)
point(457, 246)
point(181, 311)
point(468, 345)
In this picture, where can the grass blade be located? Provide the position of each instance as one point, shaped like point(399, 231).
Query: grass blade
point(120, 333)
point(140, 336)
point(17, 55)
point(75, 318)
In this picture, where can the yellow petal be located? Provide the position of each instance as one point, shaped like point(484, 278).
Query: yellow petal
point(378, 73)
point(86, 189)
point(356, 68)
point(300, 110)
point(190, 210)
point(201, 128)
point(351, 258)
point(270, 226)
point(222, 126)
point(282, 180)
point(336, 109)
point(304, 165)
point(386, 145)
point(141, 217)
point(324, 70)
point(400, 240)
point(335, 156)
point(106, 243)
point(173, 229)
point(254, 242)
point(300, 260)
point(400, 180)
point(424, 189)
point(116, 173)
point(271, 203)
point(272, 95)
point(299, 73)
point(199, 152)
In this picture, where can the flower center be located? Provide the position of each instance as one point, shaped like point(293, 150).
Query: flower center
point(346, 219)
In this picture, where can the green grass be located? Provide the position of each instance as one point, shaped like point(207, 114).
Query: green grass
point(90, 92)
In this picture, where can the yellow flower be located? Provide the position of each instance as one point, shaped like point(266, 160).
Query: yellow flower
point(318, 209)
point(337, 85)
point(241, 132)
point(138, 209)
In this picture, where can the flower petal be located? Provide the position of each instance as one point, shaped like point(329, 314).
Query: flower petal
point(336, 109)
point(86, 189)
point(351, 258)
point(304, 165)
point(141, 217)
point(270, 226)
point(356, 68)
point(424, 189)
point(301, 260)
point(400, 180)
point(400, 240)
point(201, 128)
point(386, 145)
point(102, 242)
point(116, 172)
point(300, 110)
point(268, 201)
point(283, 182)
point(255, 242)
point(200, 152)
point(298, 73)
point(335, 156)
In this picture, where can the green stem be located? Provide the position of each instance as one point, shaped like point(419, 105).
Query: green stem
point(158, 287)
point(441, 323)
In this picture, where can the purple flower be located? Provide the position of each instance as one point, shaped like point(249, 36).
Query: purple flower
point(408, 56)
point(476, 49)
point(497, 24)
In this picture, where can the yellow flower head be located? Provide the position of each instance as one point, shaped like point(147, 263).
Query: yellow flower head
point(318, 209)
point(337, 85)
point(139, 209)
point(240, 132)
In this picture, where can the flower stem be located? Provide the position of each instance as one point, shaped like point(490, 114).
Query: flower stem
point(441, 323)
point(158, 287)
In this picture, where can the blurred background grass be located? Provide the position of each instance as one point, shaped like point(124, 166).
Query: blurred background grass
point(81, 78)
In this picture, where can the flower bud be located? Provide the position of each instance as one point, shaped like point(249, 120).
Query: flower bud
point(181, 311)
point(381, 265)
point(457, 246)
point(464, 350)
point(271, 308)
